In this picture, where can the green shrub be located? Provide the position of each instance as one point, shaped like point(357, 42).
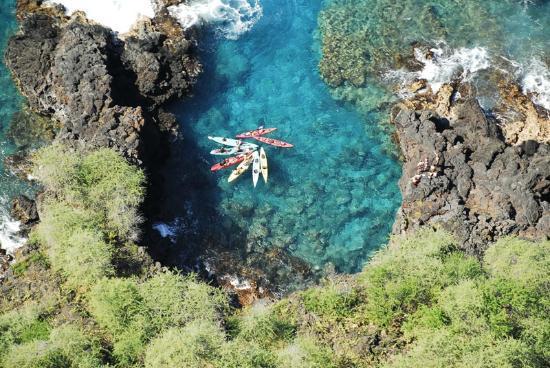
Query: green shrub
point(101, 181)
point(22, 265)
point(20, 326)
point(74, 244)
point(411, 272)
point(58, 170)
point(115, 187)
point(129, 345)
point(67, 347)
point(331, 302)
point(202, 301)
point(194, 346)
point(115, 304)
point(237, 354)
point(443, 348)
point(260, 324)
point(306, 353)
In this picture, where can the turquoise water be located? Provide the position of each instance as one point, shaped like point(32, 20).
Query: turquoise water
point(332, 198)
point(10, 102)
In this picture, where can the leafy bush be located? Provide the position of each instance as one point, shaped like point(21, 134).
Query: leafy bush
point(249, 354)
point(173, 299)
point(20, 326)
point(411, 272)
point(305, 352)
point(115, 304)
point(73, 243)
point(67, 347)
point(101, 181)
point(259, 323)
point(194, 346)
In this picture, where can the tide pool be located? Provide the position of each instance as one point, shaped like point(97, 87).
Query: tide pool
point(329, 200)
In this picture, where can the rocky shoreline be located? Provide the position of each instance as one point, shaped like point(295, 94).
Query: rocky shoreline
point(461, 173)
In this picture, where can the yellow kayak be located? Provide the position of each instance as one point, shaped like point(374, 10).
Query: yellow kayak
point(263, 163)
point(255, 167)
point(243, 166)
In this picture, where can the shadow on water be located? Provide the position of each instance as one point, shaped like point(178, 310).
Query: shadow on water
point(329, 202)
point(198, 236)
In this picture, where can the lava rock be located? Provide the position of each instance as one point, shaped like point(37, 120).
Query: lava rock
point(460, 174)
point(103, 90)
point(23, 209)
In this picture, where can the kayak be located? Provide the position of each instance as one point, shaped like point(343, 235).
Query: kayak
point(233, 150)
point(243, 166)
point(273, 142)
point(226, 141)
point(228, 162)
point(255, 167)
point(256, 132)
point(263, 164)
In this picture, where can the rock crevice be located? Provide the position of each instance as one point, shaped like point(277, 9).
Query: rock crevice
point(461, 174)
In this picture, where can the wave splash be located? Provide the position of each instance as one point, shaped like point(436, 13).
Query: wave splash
point(536, 83)
point(10, 240)
point(119, 15)
point(231, 17)
point(442, 65)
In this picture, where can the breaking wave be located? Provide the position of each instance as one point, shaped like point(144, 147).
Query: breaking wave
point(230, 17)
point(10, 240)
point(442, 65)
point(536, 83)
point(119, 15)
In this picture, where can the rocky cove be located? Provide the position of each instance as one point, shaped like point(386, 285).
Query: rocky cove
point(461, 170)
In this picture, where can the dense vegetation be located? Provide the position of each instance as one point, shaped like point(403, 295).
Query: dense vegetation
point(86, 296)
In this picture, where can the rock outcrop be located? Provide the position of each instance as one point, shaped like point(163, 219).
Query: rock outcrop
point(103, 91)
point(462, 174)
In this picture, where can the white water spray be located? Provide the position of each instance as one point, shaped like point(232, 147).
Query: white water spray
point(10, 240)
point(536, 83)
point(230, 17)
point(443, 65)
point(119, 15)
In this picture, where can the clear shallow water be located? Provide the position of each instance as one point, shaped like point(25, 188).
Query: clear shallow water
point(512, 35)
point(10, 102)
point(332, 198)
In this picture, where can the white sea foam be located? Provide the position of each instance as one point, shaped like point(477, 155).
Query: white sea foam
point(231, 17)
point(444, 64)
point(536, 82)
point(10, 240)
point(119, 15)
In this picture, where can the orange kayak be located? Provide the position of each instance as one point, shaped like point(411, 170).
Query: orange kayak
point(273, 142)
point(228, 162)
point(255, 133)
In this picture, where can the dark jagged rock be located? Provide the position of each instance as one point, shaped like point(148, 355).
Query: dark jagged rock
point(24, 209)
point(104, 91)
point(460, 174)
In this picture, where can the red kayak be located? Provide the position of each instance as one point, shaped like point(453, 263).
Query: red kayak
point(256, 133)
point(273, 142)
point(230, 161)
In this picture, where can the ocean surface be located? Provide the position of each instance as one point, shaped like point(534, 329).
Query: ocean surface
point(330, 200)
point(10, 102)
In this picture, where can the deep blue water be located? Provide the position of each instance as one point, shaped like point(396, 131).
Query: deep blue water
point(330, 199)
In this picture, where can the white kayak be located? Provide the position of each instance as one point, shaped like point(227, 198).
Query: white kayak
point(255, 167)
point(263, 163)
point(243, 166)
point(233, 151)
point(231, 142)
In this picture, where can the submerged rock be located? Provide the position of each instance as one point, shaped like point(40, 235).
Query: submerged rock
point(462, 174)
